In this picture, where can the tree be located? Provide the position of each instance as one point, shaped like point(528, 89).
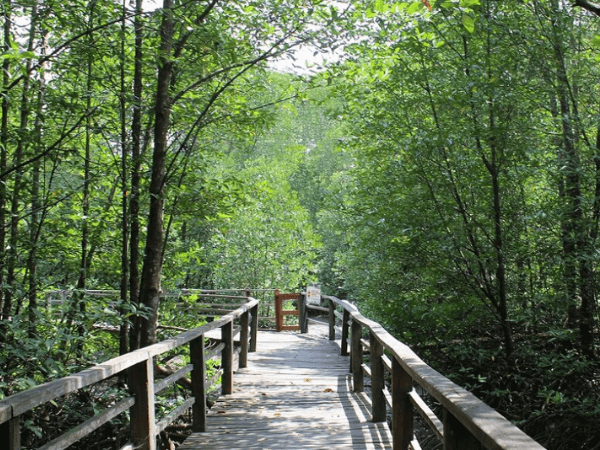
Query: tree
point(227, 62)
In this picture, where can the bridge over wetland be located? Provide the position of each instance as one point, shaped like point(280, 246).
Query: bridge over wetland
point(284, 389)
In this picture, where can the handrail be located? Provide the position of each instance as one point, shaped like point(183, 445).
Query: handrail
point(467, 423)
point(140, 376)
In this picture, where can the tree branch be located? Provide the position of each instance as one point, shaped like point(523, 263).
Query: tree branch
point(56, 144)
point(591, 7)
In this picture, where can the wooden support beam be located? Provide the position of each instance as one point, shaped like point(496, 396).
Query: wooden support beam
point(344, 344)
point(318, 308)
point(303, 313)
point(331, 321)
point(402, 409)
point(244, 332)
point(456, 436)
point(378, 405)
point(278, 312)
point(227, 358)
point(141, 385)
point(357, 357)
point(254, 328)
point(198, 384)
point(10, 434)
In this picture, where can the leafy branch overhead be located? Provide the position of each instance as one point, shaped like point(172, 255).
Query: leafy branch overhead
point(589, 6)
point(442, 169)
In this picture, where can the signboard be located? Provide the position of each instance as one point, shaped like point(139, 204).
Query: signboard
point(313, 295)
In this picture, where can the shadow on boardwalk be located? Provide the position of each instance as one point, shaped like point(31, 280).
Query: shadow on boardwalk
point(296, 393)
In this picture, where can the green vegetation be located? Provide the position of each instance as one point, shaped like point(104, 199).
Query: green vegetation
point(444, 173)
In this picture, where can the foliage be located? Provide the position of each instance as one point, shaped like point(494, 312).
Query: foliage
point(443, 173)
point(549, 391)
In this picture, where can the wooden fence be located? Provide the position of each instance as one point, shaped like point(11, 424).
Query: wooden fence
point(466, 423)
point(207, 300)
point(139, 369)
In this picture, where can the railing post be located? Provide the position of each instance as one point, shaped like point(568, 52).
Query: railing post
point(357, 356)
point(378, 404)
point(303, 313)
point(198, 384)
point(278, 312)
point(254, 328)
point(141, 385)
point(344, 344)
point(244, 340)
point(227, 358)
point(402, 411)
point(10, 435)
point(331, 320)
point(456, 436)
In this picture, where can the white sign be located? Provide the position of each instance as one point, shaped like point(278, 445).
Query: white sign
point(313, 295)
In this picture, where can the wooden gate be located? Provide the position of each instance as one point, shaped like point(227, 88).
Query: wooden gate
point(280, 312)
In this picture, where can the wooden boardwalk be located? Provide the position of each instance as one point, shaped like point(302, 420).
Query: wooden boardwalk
point(295, 394)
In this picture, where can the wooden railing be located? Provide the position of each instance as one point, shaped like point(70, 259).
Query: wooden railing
point(208, 302)
point(466, 423)
point(138, 367)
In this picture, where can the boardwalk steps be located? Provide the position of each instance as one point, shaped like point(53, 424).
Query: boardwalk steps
point(296, 393)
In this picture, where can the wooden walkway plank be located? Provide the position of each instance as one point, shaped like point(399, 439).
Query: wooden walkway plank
point(296, 393)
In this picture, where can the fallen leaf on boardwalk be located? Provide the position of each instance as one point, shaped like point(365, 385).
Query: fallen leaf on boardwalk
point(307, 380)
point(277, 414)
point(328, 390)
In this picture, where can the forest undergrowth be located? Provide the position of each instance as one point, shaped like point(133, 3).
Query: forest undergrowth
point(546, 387)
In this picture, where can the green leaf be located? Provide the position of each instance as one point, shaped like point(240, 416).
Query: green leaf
point(468, 22)
point(414, 7)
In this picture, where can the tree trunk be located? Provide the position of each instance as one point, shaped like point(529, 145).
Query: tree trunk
point(124, 330)
point(5, 111)
point(577, 240)
point(36, 220)
point(18, 183)
point(79, 296)
point(134, 203)
point(150, 289)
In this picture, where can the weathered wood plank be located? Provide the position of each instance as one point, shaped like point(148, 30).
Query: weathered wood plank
point(427, 414)
point(402, 411)
point(10, 434)
point(214, 352)
point(377, 381)
point(482, 421)
point(331, 321)
point(139, 365)
point(357, 356)
point(29, 399)
point(457, 436)
point(161, 385)
point(317, 308)
point(188, 336)
point(181, 409)
point(344, 344)
point(227, 359)
point(88, 426)
point(197, 357)
point(296, 393)
point(141, 385)
point(5, 413)
point(253, 328)
point(244, 336)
